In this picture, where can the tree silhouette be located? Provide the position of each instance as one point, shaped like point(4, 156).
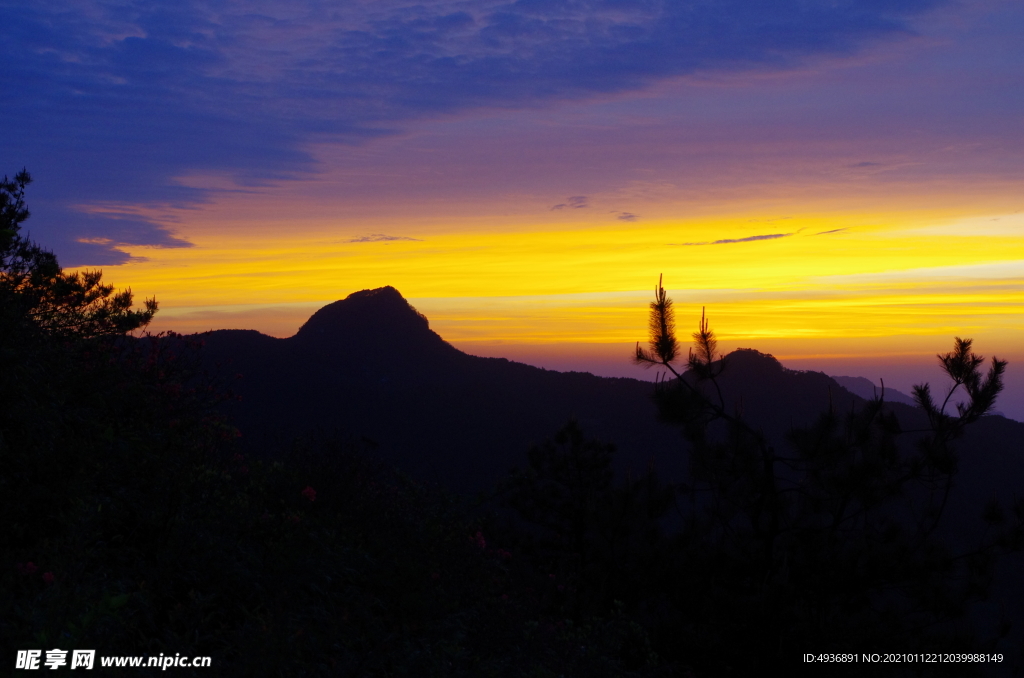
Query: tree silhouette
point(828, 544)
point(132, 522)
point(35, 292)
point(594, 536)
point(85, 421)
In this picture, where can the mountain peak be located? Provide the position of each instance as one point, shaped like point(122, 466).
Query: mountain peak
point(381, 294)
point(377, 314)
point(752, 361)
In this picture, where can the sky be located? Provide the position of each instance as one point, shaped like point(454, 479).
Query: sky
point(837, 182)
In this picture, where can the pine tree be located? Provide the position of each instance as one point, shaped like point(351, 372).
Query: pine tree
point(830, 543)
point(36, 294)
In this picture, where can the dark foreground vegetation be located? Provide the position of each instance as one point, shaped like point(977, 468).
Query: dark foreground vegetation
point(131, 524)
point(134, 522)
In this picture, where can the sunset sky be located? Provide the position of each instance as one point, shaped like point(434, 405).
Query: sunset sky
point(838, 182)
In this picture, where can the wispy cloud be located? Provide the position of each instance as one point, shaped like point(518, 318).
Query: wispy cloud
point(100, 238)
point(382, 237)
point(572, 202)
point(729, 241)
point(834, 230)
point(627, 216)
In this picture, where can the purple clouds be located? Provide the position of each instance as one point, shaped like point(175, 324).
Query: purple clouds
point(111, 102)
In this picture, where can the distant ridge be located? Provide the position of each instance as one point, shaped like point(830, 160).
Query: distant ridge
point(867, 389)
point(369, 365)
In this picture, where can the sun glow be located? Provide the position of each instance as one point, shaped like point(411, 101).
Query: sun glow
point(819, 276)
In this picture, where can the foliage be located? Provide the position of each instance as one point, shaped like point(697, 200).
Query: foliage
point(134, 525)
point(319, 562)
point(831, 544)
point(36, 294)
point(961, 364)
point(585, 545)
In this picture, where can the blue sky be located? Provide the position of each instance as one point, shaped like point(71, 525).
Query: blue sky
point(849, 174)
point(110, 102)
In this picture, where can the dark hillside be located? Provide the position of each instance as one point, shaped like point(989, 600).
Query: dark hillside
point(865, 388)
point(369, 366)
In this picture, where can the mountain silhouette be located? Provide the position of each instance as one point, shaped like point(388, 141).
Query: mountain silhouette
point(866, 388)
point(377, 324)
point(370, 366)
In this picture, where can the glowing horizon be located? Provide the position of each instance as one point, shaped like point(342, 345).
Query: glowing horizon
point(827, 277)
point(833, 181)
